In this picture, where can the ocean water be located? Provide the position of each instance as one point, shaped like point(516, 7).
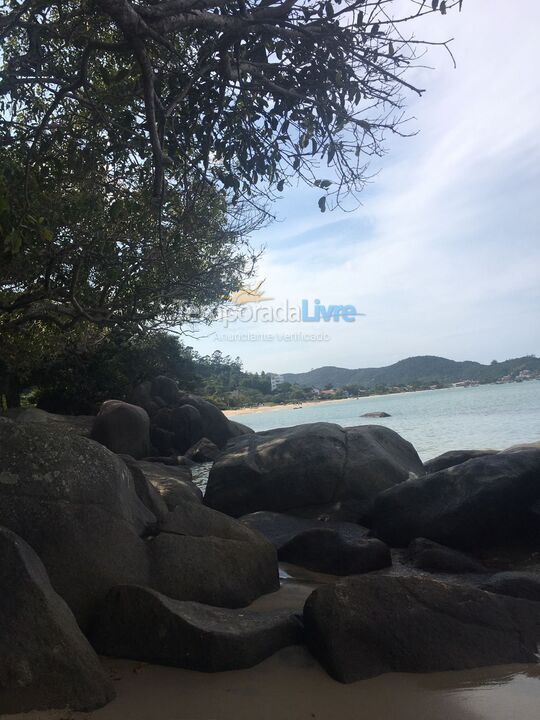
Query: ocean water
point(434, 421)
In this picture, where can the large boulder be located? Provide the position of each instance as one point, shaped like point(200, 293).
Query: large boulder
point(215, 425)
point(314, 468)
point(454, 457)
point(146, 492)
point(280, 529)
point(432, 557)
point(179, 419)
point(478, 503)
point(45, 661)
point(524, 585)
point(238, 428)
point(369, 625)
point(187, 426)
point(123, 428)
point(325, 550)
point(140, 624)
point(223, 563)
point(75, 503)
point(78, 506)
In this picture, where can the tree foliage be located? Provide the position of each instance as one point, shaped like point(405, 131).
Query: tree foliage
point(243, 93)
point(83, 249)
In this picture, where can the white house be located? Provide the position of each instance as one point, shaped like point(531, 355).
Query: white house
point(275, 380)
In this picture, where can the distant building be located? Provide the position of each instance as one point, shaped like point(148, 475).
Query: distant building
point(275, 381)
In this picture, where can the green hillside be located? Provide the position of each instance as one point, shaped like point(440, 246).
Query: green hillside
point(422, 369)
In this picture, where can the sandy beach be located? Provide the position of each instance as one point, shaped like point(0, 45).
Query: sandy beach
point(287, 406)
point(292, 685)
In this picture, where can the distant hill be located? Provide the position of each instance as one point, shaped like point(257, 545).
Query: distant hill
point(422, 369)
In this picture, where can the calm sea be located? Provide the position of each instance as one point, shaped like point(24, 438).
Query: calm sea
point(487, 416)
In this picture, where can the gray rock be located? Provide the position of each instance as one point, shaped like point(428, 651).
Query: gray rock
point(76, 504)
point(146, 492)
point(173, 482)
point(454, 457)
point(365, 626)
point(45, 661)
point(279, 529)
point(524, 585)
point(376, 415)
point(166, 389)
point(319, 467)
point(433, 557)
point(187, 426)
point(140, 624)
point(215, 425)
point(142, 395)
point(326, 550)
point(123, 428)
point(38, 465)
point(481, 502)
point(238, 428)
point(212, 570)
point(203, 451)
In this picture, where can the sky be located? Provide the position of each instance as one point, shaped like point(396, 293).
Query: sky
point(442, 257)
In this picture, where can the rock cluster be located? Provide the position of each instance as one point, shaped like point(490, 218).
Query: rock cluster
point(106, 551)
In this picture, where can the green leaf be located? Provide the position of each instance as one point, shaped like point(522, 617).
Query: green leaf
point(322, 204)
point(434, 4)
point(374, 29)
point(325, 184)
point(280, 185)
point(443, 7)
point(391, 50)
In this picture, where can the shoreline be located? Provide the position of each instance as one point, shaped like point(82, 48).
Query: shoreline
point(310, 403)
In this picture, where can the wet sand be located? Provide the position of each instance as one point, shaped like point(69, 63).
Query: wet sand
point(292, 686)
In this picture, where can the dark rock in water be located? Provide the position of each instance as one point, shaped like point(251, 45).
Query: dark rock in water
point(188, 427)
point(279, 529)
point(454, 457)
point(524, 585)
point(203, 451)
point(173, 482)
point(325, 550)
point(376, 415)
point(481, 502)
point(432, 557)
point(319, 466)
point(238, 429)
point(363, 627)
point(123, 428)
point(45, 661)
point(140, 624)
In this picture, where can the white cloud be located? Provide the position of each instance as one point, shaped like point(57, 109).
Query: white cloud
point(443, 256)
